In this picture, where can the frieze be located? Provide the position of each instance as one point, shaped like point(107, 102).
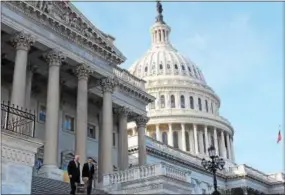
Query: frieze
point(59, 17)
point(123, 111)
point(17, 156)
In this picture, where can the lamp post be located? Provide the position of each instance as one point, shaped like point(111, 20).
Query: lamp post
point(213, 165)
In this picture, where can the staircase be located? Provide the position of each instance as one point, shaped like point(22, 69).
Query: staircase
point(42, 185)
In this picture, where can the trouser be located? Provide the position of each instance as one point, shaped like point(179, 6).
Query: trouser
point(73, 187)
point(89, 186)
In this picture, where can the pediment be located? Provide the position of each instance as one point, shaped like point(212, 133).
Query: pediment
point(66, 13)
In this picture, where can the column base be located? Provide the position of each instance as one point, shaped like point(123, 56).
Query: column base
point(51, 172)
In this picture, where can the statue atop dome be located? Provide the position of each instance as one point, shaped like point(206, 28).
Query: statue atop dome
point(159, 7)
point(159, 17)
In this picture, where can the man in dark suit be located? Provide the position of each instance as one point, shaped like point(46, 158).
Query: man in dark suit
point(73, 170)
point(88, 172)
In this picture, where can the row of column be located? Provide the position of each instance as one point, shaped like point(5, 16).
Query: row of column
point(219, 144)
point(54, 58)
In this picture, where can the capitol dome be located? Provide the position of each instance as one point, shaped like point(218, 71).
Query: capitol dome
point(185, 114)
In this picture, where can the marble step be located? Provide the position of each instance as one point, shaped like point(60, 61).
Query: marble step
point(42, 185)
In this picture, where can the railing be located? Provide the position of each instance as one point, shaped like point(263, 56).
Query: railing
point(146, 171)
point(128, 77)
point(17, 119)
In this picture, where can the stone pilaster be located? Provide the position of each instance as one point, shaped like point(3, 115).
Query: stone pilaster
point(206, 139)
point(22, 42)
point(105, 165)
point(54, 59)
point(123, 156)
point(216, 141)
point(223, 146)
point(195, 139)
point(158, 133)
point(82, 72)
point(229, 150)
point(141, 122)
point(183, 140)
point(170, 135)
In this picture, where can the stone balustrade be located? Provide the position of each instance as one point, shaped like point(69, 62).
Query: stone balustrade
point(146, 171)
point(129, 78)
point(242, 170)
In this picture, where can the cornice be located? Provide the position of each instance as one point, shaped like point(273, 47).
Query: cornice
point(56, 22)
point(180, 117)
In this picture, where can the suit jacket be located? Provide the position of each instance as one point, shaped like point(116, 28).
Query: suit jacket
point(86, 172)
point(74, 171)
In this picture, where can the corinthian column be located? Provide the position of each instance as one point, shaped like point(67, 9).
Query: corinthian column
point(105, 143)
point(223, 146)
point(229, 150)
point(195, 139)
point(123, 157)
point(54, 59)
point(141, 122)
point(216, 141)
point(170, 135)
point(22, 42)
point(183, 137)
point(82, 72)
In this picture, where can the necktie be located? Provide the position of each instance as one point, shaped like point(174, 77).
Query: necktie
point(89, 166)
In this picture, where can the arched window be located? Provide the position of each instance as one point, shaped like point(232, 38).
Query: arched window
point(145, 69)
point(182, 100)
point(168, 66)
point(162, 101)
point(206, 105)
point(164, 138)
point(182, 66)
point(175, 139)
point(176, 67)
point(191, 102)
point(160, 67)
point(153, 135)
point(187, 141)
point(212, 107)
point(172, 99)
point(200, 104)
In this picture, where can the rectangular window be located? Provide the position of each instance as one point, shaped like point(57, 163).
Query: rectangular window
point(91, 131)
point(69, 123)
point(42, 113)
point(114, 139)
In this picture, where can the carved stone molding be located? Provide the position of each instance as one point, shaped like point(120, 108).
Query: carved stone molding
point(83, 71)
point(54, 57)
point(65, 19)
point(17, 156)
point(122, 111)
point(141, 121)
point(108, 84)
point(22, 41)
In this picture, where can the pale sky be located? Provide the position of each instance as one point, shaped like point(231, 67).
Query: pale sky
point(239, 48)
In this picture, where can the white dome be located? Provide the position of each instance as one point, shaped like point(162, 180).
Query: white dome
point(184, 102)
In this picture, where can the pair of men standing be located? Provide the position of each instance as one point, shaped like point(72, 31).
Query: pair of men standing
point(73, 170)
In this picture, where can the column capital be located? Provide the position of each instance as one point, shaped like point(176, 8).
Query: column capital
point(141, 121)
point(83, 71)
point(54, 57)
point(109, 84)
point(23, 40)
point(123, 111)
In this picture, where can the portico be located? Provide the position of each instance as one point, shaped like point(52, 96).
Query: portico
point(65, 77)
